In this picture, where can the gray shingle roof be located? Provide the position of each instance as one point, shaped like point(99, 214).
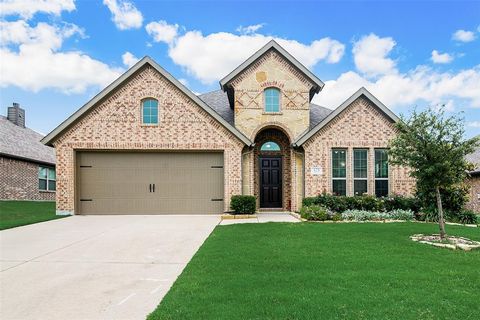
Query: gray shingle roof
point(24, 143)
point(218, 101)
point(474, 158)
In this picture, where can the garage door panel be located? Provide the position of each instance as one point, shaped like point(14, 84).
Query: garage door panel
point(118, 183)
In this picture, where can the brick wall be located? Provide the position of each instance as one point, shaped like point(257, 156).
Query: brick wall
point(115, 124)
point(474, 202)
point(361, 125)
point(19, 181)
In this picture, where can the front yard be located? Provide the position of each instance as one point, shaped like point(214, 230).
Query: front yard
point(339, 271)
point(19, 213)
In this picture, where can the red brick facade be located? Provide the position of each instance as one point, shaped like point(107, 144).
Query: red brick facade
point(19, 181)
point(474, 201)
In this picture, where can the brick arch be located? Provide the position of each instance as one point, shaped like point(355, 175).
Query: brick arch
point(272, 125)
point(277, 135)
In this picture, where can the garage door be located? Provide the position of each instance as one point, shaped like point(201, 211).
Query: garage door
point(149, 183)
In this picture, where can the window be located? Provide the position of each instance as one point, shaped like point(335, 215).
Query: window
point(46, 179)
point(150, 111)
point(339, 172)
point(381, 172)
point(270, 146)
point(272, 100)
point(360, 165)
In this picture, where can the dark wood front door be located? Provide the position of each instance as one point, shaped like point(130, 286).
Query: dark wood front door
point(271, 182)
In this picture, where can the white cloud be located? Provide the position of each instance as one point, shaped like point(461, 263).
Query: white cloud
point(370, 55)
point(32, 61)
point(161, 31)
point(129, 59)
point(124, 14)
point(463, 36)
point(211, 57)
point(438, 57)
point(28, 8)
point(250, 29)
point(473, 124)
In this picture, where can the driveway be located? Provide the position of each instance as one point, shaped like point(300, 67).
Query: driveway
point(95, 267)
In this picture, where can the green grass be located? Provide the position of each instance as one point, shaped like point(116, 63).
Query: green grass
point(19, 213)
point(326, 271)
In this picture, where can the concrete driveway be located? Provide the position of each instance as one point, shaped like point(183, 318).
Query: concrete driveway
point(95, 267)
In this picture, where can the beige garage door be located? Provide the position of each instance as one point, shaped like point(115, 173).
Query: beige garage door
point(149, 183)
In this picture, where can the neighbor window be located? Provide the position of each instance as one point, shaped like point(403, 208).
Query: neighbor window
point(381, 173)
point(339, 172)
point(270, 146)
point(46, 179)
point(360, 165)
point(272, 100)
point(150, 111)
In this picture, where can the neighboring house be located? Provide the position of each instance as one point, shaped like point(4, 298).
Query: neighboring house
point(474, 182)
point(27, 166)
point(147, 144)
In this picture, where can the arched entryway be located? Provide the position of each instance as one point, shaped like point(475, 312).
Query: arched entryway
point(272, 169)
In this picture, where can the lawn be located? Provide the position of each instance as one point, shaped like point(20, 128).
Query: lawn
point(19, 213)
point(327, 271)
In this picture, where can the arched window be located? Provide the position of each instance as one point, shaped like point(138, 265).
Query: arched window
point(270, 146)
point(272, 100)
point(150, 111)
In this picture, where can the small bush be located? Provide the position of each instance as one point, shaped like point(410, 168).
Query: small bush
point(400, 214)
point(363, 215)
point(243, 204)
point(315, 213)
point(464, 217)
point(337, 217)
point(403, 203)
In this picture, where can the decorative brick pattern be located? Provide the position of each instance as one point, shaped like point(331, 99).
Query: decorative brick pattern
point(272, 70)
point(115, 124)
point(19, 181)
point(361, 125)
point(474, 200)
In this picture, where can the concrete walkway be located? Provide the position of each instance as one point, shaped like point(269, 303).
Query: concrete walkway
point(263, 217)
point(95, 267)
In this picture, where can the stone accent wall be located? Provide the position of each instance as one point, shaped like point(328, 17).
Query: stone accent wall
point(286, 153)
point(115, 124)
point(272, 70)
point(474, 202)
point(19, 181)
point(361, 125)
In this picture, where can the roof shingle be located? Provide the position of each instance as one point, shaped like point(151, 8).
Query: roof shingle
point(24, 143)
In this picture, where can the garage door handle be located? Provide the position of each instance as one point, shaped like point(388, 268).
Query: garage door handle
point(150, 187)
point(154, 187)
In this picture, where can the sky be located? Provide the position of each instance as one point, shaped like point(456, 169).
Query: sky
point(55, 55)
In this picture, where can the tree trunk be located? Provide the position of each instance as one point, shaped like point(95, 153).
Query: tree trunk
point(441, 221)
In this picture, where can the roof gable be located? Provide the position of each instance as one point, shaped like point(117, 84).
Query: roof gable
point(273, 45)
point(122, 79)
point(361, 92)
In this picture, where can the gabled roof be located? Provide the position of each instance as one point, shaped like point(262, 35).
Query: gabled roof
point(272, 44)
point(105, 92)
point(361, 92)
point(218, 101)
point(474, 158)
point(23, 143)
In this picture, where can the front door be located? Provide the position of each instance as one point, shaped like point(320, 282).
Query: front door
point(270, 182)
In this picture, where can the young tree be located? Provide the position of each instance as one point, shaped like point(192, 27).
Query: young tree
point(434, 147)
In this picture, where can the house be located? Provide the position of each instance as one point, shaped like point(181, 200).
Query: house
point(474, 182)
point(146, 144)
point(27, 166)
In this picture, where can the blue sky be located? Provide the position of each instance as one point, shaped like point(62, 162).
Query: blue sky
point(57, 54)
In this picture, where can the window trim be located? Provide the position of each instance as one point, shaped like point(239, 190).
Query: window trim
point(353, 169)
point(374, 172)
point(47, 179)
point(142, 109)
point(279, 100)
point(346, 168)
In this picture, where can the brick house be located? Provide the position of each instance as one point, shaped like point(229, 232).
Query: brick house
point(474, 182)
point(27, 167)
point(146, 144)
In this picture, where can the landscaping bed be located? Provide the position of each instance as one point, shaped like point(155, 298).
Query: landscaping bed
point(328, 271)
point(19, 213)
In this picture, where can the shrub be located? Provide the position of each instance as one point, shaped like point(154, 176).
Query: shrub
point(463, 216)
point(315, 213)
point(453, 198)
point(403, 203)
point(400, 214)
point(337, 217)
point(363, 215)
point(243, 204)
